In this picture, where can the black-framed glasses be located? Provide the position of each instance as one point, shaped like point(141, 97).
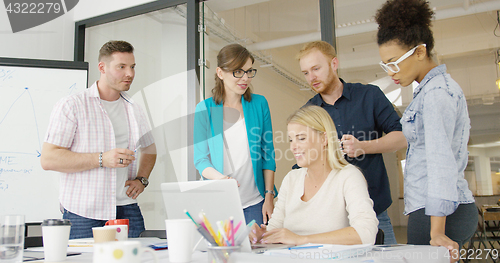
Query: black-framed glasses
point(393, 66)
point(240, 72)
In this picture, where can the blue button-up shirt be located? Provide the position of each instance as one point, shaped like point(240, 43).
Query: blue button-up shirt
point(365, 112)
point(436, 125)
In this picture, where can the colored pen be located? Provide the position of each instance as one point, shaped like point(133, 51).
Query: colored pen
point(206, 235)
point(209, 227)
point(305, 247)
point(222, 232)
point(251, 223)
point(137, 148)
point(231, 228)
point(244, 234)
point(187, 213)
point(237, 227)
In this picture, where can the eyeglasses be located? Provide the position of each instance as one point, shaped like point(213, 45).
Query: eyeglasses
point(393, 66)
point(240, 72)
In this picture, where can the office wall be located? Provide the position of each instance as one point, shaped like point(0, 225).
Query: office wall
point(55, 40)
point(91, 8)
point(52, 40)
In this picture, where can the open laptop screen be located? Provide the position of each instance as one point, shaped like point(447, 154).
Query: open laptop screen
point(218, 199)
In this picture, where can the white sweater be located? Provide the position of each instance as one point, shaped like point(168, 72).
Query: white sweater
point(342, 201)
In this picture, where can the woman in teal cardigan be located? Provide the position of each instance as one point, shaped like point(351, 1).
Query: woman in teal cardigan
point(233, 136)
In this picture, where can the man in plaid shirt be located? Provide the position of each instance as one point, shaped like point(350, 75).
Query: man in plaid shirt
point(92, 139)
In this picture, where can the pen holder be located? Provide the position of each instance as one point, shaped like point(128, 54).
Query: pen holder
point(221, 254)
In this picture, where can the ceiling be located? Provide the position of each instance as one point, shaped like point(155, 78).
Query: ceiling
point(464, 32)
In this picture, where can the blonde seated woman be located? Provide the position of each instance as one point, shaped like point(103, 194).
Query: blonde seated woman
point(326, 201)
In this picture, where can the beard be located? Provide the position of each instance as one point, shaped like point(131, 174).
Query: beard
point(327, 84)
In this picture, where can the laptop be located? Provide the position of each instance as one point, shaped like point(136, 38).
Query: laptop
point(218, 199)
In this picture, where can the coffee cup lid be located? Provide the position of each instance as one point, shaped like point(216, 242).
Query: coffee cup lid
point(56, 222)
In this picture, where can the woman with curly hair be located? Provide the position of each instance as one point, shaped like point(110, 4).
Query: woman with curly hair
point(436, 125)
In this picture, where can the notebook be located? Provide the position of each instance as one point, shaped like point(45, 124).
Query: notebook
point(218, 199)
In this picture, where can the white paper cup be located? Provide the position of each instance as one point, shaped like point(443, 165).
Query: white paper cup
point(179, 236)
point(55, 234)
point(121, 252)
point(121, 231)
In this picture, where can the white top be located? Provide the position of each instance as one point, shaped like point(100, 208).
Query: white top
point(237, 162)
point(116, 113)
point(342, 201)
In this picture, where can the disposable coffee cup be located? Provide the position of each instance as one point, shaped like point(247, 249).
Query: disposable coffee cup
point(179, 236)
point(55, 233)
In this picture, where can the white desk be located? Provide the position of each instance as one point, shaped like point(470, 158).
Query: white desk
point(411, 254)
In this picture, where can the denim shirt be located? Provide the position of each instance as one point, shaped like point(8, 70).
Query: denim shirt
point(436, 125)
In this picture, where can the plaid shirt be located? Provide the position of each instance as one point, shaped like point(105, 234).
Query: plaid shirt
point(80, 123)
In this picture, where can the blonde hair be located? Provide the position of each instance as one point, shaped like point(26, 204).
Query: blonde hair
point(324, 47)
point(318, 119)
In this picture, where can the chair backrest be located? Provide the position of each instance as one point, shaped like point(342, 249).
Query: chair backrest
point(379, 239)
point(154, 233)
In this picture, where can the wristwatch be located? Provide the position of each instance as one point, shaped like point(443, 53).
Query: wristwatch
point(271, 192)
point(143, 180)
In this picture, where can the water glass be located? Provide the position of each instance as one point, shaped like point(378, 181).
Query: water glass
point(11, 238)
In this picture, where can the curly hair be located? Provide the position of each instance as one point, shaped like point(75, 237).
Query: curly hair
point(408, 22)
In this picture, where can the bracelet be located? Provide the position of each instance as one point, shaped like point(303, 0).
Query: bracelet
point(100, 160)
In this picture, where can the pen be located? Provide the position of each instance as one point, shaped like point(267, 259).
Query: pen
point(251, 223)
point(209, 227)
point(187, 213)
point(305, 247)
point(222, 232)
point(244, 233)
point(231, 225)
point(137, 148)
point(237, 227)
point(206, 235)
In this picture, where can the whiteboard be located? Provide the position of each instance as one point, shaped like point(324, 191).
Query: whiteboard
point(28, 91)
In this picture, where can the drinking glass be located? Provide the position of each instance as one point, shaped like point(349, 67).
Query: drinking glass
point(11, 238)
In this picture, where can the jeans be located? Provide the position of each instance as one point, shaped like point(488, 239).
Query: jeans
point(81, 227)
point(254, 212)
point(460, 225)
point(384, 223)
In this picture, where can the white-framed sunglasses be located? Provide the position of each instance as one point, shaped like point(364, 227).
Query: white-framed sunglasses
point(393, 66)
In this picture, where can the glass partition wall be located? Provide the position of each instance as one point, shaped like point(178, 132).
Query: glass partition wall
point(274, 31)
point(160, 87)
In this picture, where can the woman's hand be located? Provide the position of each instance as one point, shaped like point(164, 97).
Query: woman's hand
point(256, 233)
point(267, 208)
point(284, 236)
point(227, 177)
point(452, 246)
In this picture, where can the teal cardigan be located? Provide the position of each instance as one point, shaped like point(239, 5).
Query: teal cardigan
point(208, 140)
